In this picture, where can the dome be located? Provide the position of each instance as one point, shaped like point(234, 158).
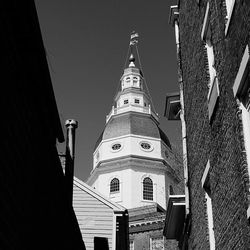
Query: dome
point(132, 123)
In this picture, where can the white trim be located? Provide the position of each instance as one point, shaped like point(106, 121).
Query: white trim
point(246, 132)
point(229, 15)
point(210, 221)
point(248, 213)
point(205, 173)
point(205, 23)
point(128, 135)
point(213, 94)
point(114, 232)
point(242, 72)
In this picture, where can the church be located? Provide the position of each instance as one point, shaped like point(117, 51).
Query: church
point(133, 162)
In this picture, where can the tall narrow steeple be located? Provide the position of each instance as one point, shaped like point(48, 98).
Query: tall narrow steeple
point(130, 159)
point(132, 96)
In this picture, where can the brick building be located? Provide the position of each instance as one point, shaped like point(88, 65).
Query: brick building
point(212, 39)
point(35, 211)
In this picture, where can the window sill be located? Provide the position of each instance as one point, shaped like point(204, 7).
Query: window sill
point(213, 95)
point(229, 17)
point(242, 73)
point(248, 213)
point(149, 201)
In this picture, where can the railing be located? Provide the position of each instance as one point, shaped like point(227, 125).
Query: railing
point(131, 107)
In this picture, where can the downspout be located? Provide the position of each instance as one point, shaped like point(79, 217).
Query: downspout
point(71, 126)
point(182, 113)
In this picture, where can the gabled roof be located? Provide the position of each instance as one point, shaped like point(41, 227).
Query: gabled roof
point(94, 193)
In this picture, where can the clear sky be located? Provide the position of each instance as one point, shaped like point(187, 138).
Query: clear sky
point(86, 43)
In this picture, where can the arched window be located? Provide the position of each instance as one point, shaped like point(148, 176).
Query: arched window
point(127, 79)
point(147, 189)
point(135, 79)
point(114, 185)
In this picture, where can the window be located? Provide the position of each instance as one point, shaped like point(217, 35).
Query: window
point(127, 79)
point(135, 80)
point(228, 6)
point(145, 145)
point(147, 189)
point(125, 101)
point(114, 185)
point(137, 101)
point(241, 86)
point(116, 146)
point(206, 36)
point(213, 84)
point(131, 245)
point(241, 90)
point(205, 182)
point(157, 243)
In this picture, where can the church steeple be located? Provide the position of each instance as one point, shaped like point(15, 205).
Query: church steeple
point(132, 97)
point(130, 159)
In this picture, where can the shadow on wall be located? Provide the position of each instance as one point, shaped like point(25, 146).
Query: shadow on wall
point(101, 243)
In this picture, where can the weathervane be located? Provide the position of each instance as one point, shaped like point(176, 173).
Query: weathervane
point(133, 38)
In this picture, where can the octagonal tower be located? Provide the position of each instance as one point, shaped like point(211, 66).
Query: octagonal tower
point(131, 162)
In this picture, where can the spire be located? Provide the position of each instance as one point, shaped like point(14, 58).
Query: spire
point(133, 95)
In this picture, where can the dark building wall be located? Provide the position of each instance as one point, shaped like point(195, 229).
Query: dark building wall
point(35, 212)
point(221, 140)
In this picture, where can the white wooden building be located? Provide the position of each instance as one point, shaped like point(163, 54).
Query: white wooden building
point(102, 222)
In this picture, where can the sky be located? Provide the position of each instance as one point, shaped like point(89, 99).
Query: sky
point(86, 43)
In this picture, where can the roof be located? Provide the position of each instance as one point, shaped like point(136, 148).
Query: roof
point(146, 218)
point(93, 192)
point(132, 123)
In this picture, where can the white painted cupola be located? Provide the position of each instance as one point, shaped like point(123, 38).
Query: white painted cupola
point(131, 159)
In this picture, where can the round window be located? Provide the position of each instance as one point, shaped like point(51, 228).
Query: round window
point(145, 145)
point(116, 146)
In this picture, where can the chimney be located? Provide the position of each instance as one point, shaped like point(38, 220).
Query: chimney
point(71, 126)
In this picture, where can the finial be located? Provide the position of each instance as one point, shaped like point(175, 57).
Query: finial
point(131, 60)
point(133, 38)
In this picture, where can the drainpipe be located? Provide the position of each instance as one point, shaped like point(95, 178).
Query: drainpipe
point(175, 13)
point(71, 126)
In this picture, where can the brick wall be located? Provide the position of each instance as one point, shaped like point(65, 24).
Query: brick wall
point(219, 141)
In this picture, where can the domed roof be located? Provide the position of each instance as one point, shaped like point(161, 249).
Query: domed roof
point(132, 123)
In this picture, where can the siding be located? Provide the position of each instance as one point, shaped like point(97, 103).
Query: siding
point(94, 217)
